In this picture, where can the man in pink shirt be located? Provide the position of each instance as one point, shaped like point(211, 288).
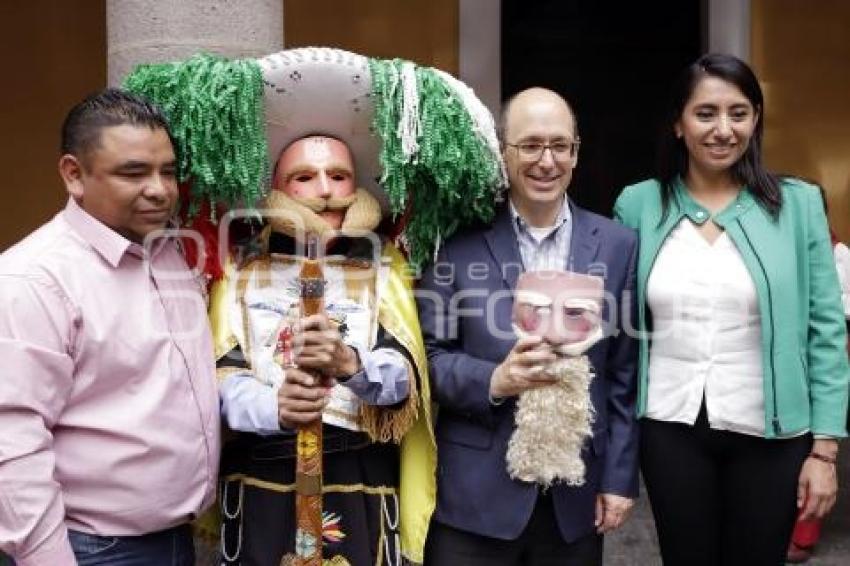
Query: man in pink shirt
point(108, 408)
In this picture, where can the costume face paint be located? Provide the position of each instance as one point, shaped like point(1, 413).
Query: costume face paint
point(319, 173)
point(561, 307)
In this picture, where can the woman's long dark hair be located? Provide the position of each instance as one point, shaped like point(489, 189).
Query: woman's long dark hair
point(673, 154)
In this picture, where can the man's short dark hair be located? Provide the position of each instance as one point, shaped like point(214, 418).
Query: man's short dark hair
point(109, 107)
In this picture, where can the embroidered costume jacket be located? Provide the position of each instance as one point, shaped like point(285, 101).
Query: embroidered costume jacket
point(384, 455)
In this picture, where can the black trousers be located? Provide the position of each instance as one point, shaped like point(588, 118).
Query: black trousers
point(360, 504)
point(718, 497)
point(540, 544)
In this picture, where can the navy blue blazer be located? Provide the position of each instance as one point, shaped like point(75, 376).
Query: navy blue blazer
point(465, 301)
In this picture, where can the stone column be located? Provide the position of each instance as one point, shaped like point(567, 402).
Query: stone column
point(729, 26)
point(479, 49)
point(154, 31)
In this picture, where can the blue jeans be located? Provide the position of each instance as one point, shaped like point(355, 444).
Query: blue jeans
point(172, 547)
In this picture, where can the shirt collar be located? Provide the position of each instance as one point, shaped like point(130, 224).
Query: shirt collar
point(107, 242)
point(699, 214)
point(564, 217)
point(111, 245)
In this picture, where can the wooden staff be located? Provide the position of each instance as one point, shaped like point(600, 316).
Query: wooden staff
point(308, 463)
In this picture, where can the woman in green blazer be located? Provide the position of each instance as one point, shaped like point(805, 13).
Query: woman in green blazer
point(743, 374)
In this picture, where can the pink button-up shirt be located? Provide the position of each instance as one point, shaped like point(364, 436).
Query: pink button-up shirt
point(109, 419)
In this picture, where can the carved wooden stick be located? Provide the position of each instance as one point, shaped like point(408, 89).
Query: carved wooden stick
point(308, 463)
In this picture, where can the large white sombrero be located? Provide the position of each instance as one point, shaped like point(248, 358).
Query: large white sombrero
point(422, 142)
point(328, 92)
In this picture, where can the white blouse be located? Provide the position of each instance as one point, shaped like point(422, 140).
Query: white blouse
point(706, 334)
point(842, 263)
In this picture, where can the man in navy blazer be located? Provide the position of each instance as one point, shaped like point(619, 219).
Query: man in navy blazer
point(478, 367)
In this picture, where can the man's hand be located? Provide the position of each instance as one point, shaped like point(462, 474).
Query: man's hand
point(818, 485)
point(523, 369)
point(611, 511)
point(301, 398)
point(319, 347)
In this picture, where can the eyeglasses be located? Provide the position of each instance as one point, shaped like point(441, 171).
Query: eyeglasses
point(533, 151)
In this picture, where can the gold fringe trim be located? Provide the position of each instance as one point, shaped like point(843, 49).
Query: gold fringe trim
point(384, 424)
point(398, 315)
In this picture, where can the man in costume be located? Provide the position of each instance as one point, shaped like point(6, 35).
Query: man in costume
point(350, 368)
point(479, 368)
point(421, 147)
point(108, 406)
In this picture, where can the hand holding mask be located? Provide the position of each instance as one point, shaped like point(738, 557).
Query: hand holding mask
point(561, 307)
point(553, 422)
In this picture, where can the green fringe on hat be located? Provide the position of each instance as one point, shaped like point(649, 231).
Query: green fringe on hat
point(215, 109)
point(452, 180)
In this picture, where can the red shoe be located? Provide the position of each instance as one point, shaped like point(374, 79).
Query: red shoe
point(798, 554)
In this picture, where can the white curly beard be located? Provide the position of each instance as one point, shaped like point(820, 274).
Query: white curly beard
point(552, 424)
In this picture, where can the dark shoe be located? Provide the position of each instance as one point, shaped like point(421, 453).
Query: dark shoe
point(798, 554)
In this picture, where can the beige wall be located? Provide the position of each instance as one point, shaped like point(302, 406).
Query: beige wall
point(801, 53)
point(424, 31)
point(54, 53)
